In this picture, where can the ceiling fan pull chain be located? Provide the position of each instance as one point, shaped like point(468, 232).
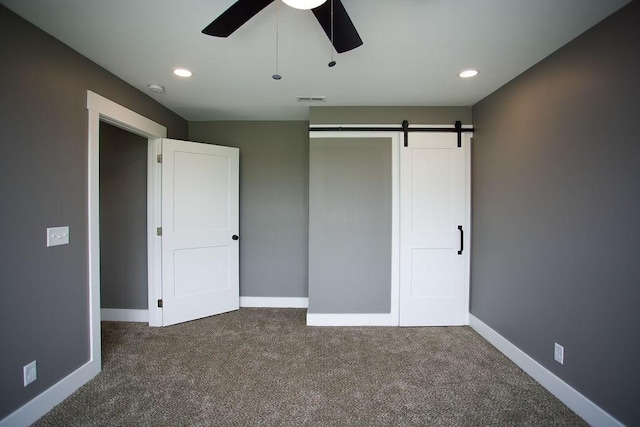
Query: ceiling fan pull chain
point(332, 62)
point(277, 76)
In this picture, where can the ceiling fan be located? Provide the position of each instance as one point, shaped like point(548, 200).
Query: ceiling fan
point(345, 37)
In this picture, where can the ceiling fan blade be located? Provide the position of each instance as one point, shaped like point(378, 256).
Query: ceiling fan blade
point(345, 35)
point(234, 17)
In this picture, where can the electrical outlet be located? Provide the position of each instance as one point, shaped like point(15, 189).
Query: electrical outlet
point(558, 353)
point(30, 373)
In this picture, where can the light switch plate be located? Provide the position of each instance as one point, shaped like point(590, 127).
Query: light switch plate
point(30, 373)
point(57, 236)
point(558, 353)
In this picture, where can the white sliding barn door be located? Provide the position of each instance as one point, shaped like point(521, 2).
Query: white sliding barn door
point(433, 219)
point(200, 222)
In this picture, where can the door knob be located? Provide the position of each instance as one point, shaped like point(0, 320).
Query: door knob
point(235, 237)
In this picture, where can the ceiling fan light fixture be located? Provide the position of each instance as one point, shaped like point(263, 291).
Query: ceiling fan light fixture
point(303, 4)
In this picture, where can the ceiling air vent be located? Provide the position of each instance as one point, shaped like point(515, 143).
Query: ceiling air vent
point(311, 98)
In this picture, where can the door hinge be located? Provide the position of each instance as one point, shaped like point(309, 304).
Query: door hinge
point(159, 158)
point(159, 231)
point(159, 303)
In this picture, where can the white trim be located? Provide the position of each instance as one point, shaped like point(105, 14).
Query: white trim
point(393, 134)
point(352, 319)
point(45, 401)
point(582, 406)
point(124, 118)
point(274, 302)
point(124, 315)
point(468, 137)
point(154, 220)
point(323, 126)
point(395, 228)
point(93, 232)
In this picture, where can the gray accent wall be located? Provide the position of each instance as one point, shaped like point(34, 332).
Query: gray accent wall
point(274, 206)
point(123, 219)
point(44, 308)
point(556, 213)
point(350, 225)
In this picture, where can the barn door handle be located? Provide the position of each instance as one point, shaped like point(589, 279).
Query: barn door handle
point(461, 240)
point(235, 237)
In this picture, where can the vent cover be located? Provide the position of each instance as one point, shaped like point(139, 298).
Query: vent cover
point(311, 98)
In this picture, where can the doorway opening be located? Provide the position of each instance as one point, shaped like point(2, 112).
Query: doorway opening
point(123, 225)
point(101, 109)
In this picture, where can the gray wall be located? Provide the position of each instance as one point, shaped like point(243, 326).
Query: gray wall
point(556, 208)
point(350, 225)
point(43, 182)
point(123, 219)
point(274, 207)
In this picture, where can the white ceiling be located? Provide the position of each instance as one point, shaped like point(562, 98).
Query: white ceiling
point(412, 52)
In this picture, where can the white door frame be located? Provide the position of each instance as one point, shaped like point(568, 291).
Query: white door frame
point(373, 319)
point(154, 220)
point(103, 109)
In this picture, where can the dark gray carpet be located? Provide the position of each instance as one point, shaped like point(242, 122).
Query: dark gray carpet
point(266, 367)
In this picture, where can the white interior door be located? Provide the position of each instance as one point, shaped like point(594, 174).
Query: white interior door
point(433, 230)
point(200, 222)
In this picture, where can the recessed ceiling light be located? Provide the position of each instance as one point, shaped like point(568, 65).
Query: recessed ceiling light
point(468, 73)
point(182, 72)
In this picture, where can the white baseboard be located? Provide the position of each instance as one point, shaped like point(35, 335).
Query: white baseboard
point(45, 401)
point(582, 406)
point(351, 319)
point(124, 315)
point(274, 302)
